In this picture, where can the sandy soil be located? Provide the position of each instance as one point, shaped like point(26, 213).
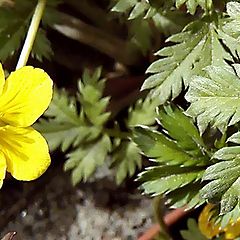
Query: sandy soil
point(92, 211)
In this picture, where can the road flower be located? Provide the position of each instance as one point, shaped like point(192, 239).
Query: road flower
point(24, 96)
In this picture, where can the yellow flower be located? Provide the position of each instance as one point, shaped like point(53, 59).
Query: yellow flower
point(206, 224)
point(24, 96)
point(210, 229)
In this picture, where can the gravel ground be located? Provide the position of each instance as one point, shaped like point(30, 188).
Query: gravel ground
point(89, 212)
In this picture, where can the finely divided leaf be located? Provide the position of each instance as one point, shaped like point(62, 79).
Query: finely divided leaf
point(14, 22)
point(126, 160)
point(229, 29)
point(196, 47)
point(180, 156)
point(124, 5)
point(165, 179)
point(144, 112)
point(193, 4)
point(157, 146)
point(235, 138)
point(183, 147)
point(41, 47)
point(64, 126)
point(62, 134)
point(79, 129)
point(91, 98)
point(187, 196)
point(86, 159)
point(181, 128)
point(13, 27)
point(141, 16)
point(215, 99)
point(224, 179)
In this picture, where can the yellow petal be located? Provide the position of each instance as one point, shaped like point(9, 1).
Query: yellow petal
point(26, 152)
point(2, 78)
point(232, 230)
point(26, 95)
point(206, 225)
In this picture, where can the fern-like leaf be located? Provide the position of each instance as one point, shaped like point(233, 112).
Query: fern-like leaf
point(141, 13)
point(126, 160)
point(187, 196)
point(229, 30)
point(144, 113)
point(196, 47)
point(215, 99)
point(14, 22)
point(193, 4)
point(224, 177)
point(84, 160)
point(180, 156)
point(165, 179)
point(64, 126)
point(183, 147)
point(81, 130)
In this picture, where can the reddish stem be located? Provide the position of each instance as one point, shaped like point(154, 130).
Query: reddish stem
point(171, 218)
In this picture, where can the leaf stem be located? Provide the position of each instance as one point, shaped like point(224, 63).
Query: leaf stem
point(158, 204)
point(31, 35)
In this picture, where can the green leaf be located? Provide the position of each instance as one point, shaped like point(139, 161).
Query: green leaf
point(184, 146)
point(224, 179)
point(138, 10)
point(79, 129)
point(187, 196)
point(232, 216)
point(193, 4)
point(165, 179)
point(162, 149)
point(91, 98)
point(14, 22)
point(126, 160)
point(233, 9)
point(229, 30)
point(62, 134)
point(86, 159)
point(124, 5)
point(144, 112)
point(181, 128)
point(196, 47)
point(193, 231)
point(82, 130)
point(13, 27)
point(169, 22)
point(215, 99)
point(142, 16)
point(41, 47)
point(64, 126)
point(180, 157)
point(51, 14)
point(141, 34)
point(235, 138)
point(63, 108)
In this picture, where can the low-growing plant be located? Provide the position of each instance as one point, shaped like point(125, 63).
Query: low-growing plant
point(185, 122)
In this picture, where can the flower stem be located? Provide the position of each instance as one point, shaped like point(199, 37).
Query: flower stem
point(31, 35)
point(158, 204)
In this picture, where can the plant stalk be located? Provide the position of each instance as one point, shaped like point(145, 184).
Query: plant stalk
point(158, 204)
point(31, 35)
